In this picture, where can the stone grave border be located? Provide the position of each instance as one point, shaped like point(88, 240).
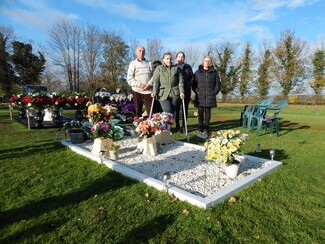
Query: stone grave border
point(181, 194)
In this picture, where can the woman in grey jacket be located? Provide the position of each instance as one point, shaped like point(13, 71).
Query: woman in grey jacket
point(168, 85)
point(206, 85)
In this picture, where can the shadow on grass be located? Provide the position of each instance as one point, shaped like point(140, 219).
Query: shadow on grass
point(36, 147)
point(149, 230)
point(43, 228)
point(109, 182)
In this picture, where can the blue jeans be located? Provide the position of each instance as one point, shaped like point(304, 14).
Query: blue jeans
point(170, 105)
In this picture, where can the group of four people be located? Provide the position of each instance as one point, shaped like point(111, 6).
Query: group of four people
point(164, 86)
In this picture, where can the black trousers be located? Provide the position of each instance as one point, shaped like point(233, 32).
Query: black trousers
point(204, 117)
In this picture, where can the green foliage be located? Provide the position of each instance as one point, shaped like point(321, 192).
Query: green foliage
point(116, 60)
point(318, 82)
point(245, 71)
point(28, 66)
point(263, 73)
point(50, 194)
point(8, 80)
point(224, 61)
point(289, 68)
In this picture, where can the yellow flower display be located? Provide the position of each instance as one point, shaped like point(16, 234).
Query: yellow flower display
point(224, 145)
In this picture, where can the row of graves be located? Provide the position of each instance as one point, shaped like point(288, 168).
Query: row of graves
point(41, 109)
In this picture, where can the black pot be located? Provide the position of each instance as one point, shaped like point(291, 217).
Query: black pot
point(77, 137)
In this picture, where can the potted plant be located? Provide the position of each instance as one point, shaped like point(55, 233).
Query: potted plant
point(103, 133)
point(79, 100)
point(73, 129)
point(223, 147)
point(113, 151)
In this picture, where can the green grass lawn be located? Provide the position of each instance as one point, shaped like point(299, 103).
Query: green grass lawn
point(49, 194)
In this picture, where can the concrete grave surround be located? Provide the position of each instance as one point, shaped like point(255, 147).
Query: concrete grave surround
point(180, 193)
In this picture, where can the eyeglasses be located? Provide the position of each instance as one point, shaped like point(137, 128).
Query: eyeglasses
point(209, 61)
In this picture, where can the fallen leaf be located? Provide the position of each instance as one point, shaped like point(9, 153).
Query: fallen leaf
point(232, 200)
point(102, 209)
point(185, 211)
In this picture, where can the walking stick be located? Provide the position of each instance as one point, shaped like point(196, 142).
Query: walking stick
point(151, 109)
point(185, 122)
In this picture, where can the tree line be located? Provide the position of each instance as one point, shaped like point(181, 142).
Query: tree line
point(84, 57)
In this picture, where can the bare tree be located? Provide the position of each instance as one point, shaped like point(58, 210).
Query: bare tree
point(91, 54)
point(289, 66)
point(133, 44)
point(192, 55)
point(8, 34)
point(154, 49)
point(66, 46)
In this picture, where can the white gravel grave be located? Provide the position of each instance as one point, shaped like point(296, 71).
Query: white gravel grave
point(190, 172)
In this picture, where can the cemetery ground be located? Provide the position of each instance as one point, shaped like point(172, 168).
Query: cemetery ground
point(49, 194)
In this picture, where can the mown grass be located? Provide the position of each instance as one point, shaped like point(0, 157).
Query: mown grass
point(51, 195)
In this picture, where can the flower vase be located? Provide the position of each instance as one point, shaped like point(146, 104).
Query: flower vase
point(113, 154)
point(56, 116)
point(163, 137)
point(39, 119)
point(79, 116)
point(99, 144)
point(232, 169)
point(48, 114)
point(150, 146)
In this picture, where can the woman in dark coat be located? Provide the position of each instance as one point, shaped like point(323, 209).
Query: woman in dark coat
point(188, 77)
point(206, 85)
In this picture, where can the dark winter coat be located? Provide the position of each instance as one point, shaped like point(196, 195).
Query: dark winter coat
point(206, 85)
point(188, 78)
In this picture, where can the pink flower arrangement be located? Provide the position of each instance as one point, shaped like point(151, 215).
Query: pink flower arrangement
point(148, 127)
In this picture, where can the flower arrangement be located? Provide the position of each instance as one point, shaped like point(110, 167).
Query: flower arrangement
point(78, 99)
point(224, 145)
point(103, 130)
point(163, 120)
point(96, 112)
point(118, 98)
point(73, 126)
point(145, 127)
point(37, 100)
point(19, 99)
point(148, 127)
point(57, 100)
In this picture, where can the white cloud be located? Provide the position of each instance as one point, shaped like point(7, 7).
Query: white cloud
point(125, 9)
point(34, 13)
